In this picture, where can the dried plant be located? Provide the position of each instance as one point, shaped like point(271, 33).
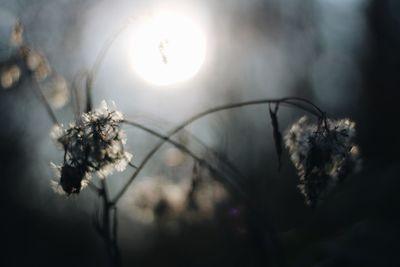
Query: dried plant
point(324, 153)
point(94, 143)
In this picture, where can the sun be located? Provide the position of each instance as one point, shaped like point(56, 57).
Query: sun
point(168, 48)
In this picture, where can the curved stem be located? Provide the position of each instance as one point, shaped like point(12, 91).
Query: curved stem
point(181, 147)
point(287, 100)
point(232, 168)
point(91, 75)
point(213, 152)
point(75, 92)
point(304, 100)
point(44, 101)
point(106, 47)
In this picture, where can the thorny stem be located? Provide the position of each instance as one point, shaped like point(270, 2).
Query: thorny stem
point(316, 111)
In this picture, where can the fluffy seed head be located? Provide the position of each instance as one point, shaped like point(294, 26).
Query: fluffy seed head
point(95, 143)
point(323, 154)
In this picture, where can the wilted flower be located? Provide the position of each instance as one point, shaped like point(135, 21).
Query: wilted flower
point(94, 143)
point(323, 154)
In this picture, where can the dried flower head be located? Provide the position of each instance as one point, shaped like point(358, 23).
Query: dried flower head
point(94, 143)
point(323, 154)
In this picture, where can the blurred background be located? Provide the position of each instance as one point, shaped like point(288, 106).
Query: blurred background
point(342, 55)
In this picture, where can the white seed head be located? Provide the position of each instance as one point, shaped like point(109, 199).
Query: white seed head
point(323, 154)
point(95, 143)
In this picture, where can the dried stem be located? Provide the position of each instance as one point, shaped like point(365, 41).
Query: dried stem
point(290, 101)
point(92, 74)
point(181, 147)
point(76, 94)
point(225, 161)
point(43, 100)
point(109, 227)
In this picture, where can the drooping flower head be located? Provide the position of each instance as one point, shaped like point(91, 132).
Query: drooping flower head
point(323, 154)
point(95, 143)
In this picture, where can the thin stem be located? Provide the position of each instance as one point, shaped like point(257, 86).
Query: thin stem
point(76, 95)
point(287, 100)
point(109, 227)
point(321, 112)
point(181, 147)
point(95, 188)
point(132, 165)
point(220, 157)
point(226, 162)
point(106, 219)
point(106, 47)
point(117, 253)
point(92, 74)
point(310, 110)
point(89, 86)
point(44, 101)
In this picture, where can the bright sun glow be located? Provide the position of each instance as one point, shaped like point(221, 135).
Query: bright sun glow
point(168, 48)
